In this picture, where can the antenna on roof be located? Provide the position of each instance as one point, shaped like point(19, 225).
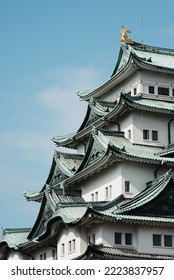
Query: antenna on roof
point(142, 31)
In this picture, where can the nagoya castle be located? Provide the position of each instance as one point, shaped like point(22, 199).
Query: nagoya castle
point(112, 196)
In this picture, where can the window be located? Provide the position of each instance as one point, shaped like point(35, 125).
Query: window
point(151, 90)
point(156, 240)
point(155, 135)
point(73, 245)
point(96, 196)
point(168, 240)
point(43, 256)
point(63, 249)
point(93, 238)
point(54, 254)
point(127, 186)
point(145, 134)
point(129, 134)
point(163, 91)
point(135, 91)
point(128, 238)
point(108, 191)
point(118, 236)
point(92, 196)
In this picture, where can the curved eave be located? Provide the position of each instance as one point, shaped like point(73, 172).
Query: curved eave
point(106, 160)
point(151, 67)
point(63, 141)
point(38, 220)
point(37, 197)
point(124, 73)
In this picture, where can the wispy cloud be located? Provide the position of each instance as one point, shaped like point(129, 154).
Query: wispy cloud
point(26, 157)
point(61, 99)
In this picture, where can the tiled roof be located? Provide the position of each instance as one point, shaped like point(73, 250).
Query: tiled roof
point(106, 252)
point(14, 236)
point(127, 148)
point(68, 163)
point(156, 56)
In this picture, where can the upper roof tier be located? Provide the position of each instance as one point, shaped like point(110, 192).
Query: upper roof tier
point(98, 117)
point(132, 58)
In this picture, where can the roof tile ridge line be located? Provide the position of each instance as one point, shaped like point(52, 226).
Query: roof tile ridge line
point(155, 49)
point(7, 231)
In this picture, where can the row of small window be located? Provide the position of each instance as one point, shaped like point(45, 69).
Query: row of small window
point(108, 191)
point(123, 239)
point(147, 136)
point(161, 91)
point(44, 255)
point(162, 240)
point(157, 239)
point(71, 247)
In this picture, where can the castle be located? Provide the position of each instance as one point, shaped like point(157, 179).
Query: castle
point(113, 196)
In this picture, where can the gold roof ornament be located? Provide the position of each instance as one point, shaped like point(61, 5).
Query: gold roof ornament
point(124, 36)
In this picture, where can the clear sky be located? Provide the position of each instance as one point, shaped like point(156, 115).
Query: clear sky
point(48, 51)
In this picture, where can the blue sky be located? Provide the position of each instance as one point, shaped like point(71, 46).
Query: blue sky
point(48, 51)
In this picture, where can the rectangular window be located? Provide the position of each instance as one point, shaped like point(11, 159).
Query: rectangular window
point(118, 238)
point(135, 91)
point(156, 240)
point(41, 257)
point(93, 238)
point(63, 249)
point(92, 196)
point(154, 135)
point(129, 134)
point(45, 256)
point(151, 90)
point(128, 238)
point(145, 134)
point(96, 196)
point(108, 191)
point(127, 186)
point(168, 240)
point(54, 254)
point(163, 91)
point(173, 91)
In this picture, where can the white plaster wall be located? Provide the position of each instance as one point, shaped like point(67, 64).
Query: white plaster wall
point(150, 121)
point(108, 231)
point(138, 175)
point(145, 243)
point(129, 84)
point(137, 121)
point(99, 182)
point(66, 236)
point(48, 250)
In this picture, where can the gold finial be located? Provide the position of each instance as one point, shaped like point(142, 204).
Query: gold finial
point(124, 36)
